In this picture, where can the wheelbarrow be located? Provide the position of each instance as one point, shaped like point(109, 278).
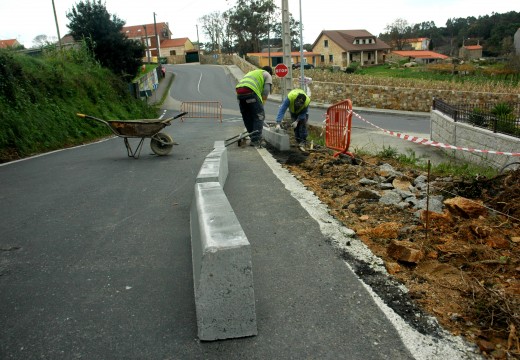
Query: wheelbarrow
point(161, 143)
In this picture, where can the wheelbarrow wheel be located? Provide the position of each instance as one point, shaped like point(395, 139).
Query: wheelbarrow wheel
point(161, 144)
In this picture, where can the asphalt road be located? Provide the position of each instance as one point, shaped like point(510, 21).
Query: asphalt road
point(95, 255)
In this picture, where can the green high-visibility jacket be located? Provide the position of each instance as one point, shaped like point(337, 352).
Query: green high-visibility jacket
point(293, 94)
point(253, 80)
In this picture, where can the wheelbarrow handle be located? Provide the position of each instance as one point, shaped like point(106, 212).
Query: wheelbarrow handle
point(169, 120)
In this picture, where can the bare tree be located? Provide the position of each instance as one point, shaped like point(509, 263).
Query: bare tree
point(43, 40)
point(213, 25)
point(399, 31)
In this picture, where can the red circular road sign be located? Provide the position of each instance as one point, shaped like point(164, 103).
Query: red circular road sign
point(281, 70)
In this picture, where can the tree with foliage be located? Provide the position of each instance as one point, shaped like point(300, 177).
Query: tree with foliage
point(90, 20)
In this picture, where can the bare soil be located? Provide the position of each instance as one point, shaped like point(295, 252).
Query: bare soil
point(468, 277)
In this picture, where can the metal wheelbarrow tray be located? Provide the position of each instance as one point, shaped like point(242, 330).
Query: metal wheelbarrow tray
point(161, 143)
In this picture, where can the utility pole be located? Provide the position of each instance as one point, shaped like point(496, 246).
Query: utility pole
point(147, 44)
point(57, 27)
point(198, 42)
point(287, 83)
point(157, 39)
point(302, 59)
point(269, 40)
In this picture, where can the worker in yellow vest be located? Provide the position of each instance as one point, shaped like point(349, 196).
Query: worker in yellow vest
point(252, 92)
point(297, 101)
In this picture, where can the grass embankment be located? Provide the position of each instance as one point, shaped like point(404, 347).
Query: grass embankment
point(40, 96)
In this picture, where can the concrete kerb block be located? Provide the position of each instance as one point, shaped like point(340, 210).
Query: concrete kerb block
point(222, 267)
point(279, 140)
point(215, 166)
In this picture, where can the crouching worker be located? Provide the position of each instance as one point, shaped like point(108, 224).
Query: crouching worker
point(297, 101)
point(252, 92)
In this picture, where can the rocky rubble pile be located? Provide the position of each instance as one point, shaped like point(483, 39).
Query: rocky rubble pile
point(459, 260)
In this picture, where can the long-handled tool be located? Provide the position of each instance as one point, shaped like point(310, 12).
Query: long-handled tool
point(238, 138)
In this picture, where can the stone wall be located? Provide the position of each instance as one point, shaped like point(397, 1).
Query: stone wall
point(369, 96)
point(447, 131)
point(398, 98)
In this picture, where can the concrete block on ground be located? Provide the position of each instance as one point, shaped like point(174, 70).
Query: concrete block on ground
point(222, 267)
point(219, 144)
point(215, 167)
point(279, 140)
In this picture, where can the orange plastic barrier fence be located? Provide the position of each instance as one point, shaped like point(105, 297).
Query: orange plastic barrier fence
point(338, 125)
point(202, 110)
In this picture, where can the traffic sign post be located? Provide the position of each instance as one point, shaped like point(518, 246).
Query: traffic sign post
point(281, 70)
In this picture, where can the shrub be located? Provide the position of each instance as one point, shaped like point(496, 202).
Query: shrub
point(478, 117)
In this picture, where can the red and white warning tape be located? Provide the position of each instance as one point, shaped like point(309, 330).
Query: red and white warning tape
point(423, 141)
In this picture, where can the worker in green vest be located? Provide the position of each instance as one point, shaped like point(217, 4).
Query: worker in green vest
point(252, 92)
point(297, 101)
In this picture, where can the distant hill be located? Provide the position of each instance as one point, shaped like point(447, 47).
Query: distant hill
point(494, 32)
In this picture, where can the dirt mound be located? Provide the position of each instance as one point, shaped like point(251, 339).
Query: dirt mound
point(460, 264)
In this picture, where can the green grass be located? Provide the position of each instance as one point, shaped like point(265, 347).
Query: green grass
point(490, 73)
point(40, 97)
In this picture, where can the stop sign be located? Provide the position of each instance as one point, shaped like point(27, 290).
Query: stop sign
point(281, 70)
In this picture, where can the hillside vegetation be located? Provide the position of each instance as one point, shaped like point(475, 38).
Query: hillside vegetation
point(40, 96)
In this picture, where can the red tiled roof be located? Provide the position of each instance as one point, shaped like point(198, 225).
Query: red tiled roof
point(174, 42)
point(138, 31)
point(473, 47)
point(8, 43)
point(420, 54)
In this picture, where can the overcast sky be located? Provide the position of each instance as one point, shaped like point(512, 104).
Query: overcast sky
point(25, 19)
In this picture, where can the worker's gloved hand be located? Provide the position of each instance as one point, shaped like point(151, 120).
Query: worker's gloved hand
point(277, 128)
point(294, 124)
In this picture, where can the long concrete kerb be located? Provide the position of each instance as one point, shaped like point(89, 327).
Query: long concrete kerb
point(222, 267)
point(221, 256)
point(279, 140)
point(215, 166)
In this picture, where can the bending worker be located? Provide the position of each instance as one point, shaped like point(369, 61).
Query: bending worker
point(252, 92)
point(297, 102)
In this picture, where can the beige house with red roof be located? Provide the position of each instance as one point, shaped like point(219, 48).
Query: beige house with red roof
point(178, 46)
point(421, 43)
point(146, 34)
point(11, 43)
point(342, 47)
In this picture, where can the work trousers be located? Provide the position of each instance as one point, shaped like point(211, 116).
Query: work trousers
point(253, 114)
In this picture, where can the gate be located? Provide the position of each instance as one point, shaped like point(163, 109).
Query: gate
point(338, 125)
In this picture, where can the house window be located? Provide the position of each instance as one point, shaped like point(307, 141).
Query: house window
point(173, 52)
point(326, 43)
point(322, 58)
point(331, 58)
point(369, 56)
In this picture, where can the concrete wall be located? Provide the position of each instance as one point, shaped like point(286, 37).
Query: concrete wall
point(447, 131)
